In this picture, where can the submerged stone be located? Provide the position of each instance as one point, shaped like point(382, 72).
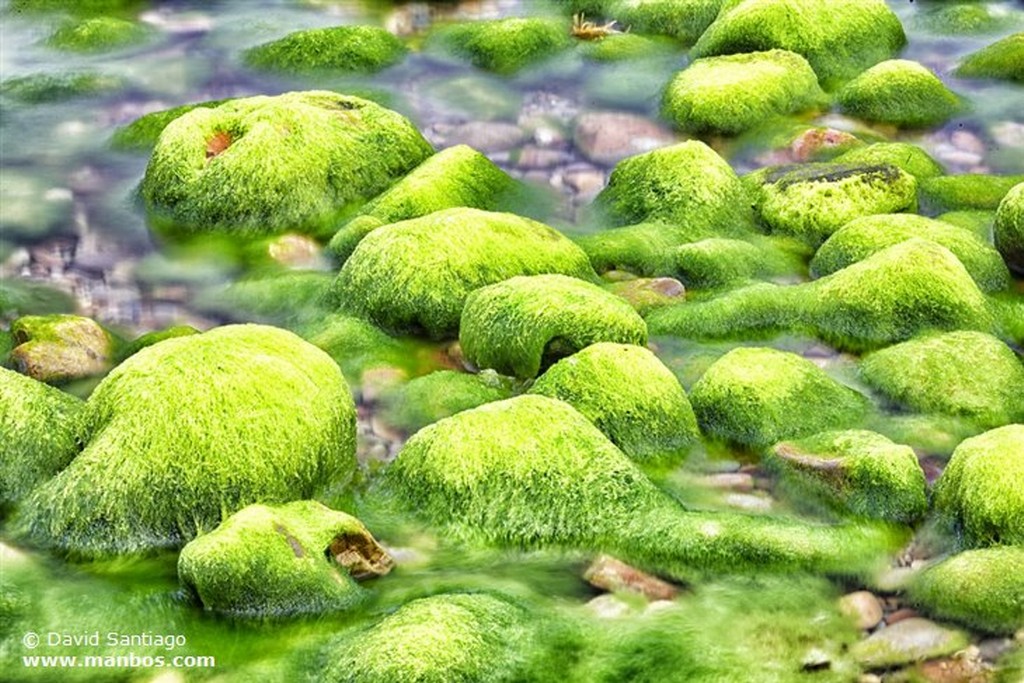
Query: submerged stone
point(211, 170)
point(299, 558)
point(629, 395)
point(414, 276)
point(506, 46)
point(903, 155)
point(961, 18)
point(733, 93)
point(1009, 228)
point(33, 208)
point(899, 92)
point(972, 191)
point(189, 430)
point(59, 348)
point(97, 34)
point(908, 641)
point(42, 88)
point(1003, 59)
point(337, 48)
point(524, 324)
point(427, 399)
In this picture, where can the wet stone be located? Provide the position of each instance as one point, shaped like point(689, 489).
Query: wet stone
point(609, 137)
point(909, 641)
point(863, 608)
point(483, 136)
point(610, 574)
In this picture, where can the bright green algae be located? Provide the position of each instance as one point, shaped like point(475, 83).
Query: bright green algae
point(905, 156)
point(518, 326)
point(645, 249)
point(427, 399)
point(899, 92)
point(1003, 59)
point(269, 418)
point(97, 34)
point(337, 48)
point(972, 191)
point(1009, 228)
point(142, 133)
point(506, 46)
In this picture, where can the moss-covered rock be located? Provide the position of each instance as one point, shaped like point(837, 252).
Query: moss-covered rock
point(960, 18)
point(623, 46)
point(983, 589)
point(143, 133)
point(39, 430)
point(963, 374)
point(733, 93)
point(856, 472)
point(980, 223)
point(969, 192)
point(414, 276)
point(684, 20)
point(1009, 228)
point(43, 88)
point(299, 558)
point(756, 311)
point(1002, 59)
point(265, 165)
point(903, 155)
point(523, 324)
point(364, 49)
point(59, 348)
point(189, 430)
point(506, 46)
point(629, 395)
point(686, 184)
point(533, 472)
point(811, 201)
point(454, 177)
point(97, 34)
point(899, 92)
point(427, 399)
point(719, 262)
point(840, 38)
point(154, 337)
point(645, 294)
point(980, 495)
point(645, 249)
point(863, 237)
point(354, 343)
point(756, 397)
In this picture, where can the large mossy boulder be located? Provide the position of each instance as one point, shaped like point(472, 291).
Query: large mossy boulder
point(454, 177)
point(756, 311)
point(684, 20)
point(299, 558)
point(522, 325)
point(506, 46)
point(39, 432)
point(733, 93)
point(97, 34)
point(645, 249)
point(968, 192)
point(1003, 59)
point(265, 165)
point(687, 184)
point(533, 472)
point(899, 92)
point(191, 429)
point(853, 472)
point(840, 38)
point(427, 399)
point(869, 235)
point(983, 589)
point(365, 49)
point(629, 395)
point(722, 262)
point(415, 275)
point(811, 201)
point(903, 155)
point(756, 397)
point(980, 495)
point(961, 374)
point(1009, 228)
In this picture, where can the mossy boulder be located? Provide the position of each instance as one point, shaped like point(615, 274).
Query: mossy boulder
point(39, 430)
point(980, 495)
point(60, 348)
point(686, 184)
point(365, 49)
point(454, 177)
point(299, 558)
point(855, 472)
point(733, 93)
point(142, 133)
point(840, 38)
point(533, 472)
point(963, 374)
point(961, 18)
point(522, 325)
point(97, 34)
point(720, 262)
point(983, 589)
point(154, 337)
point(618, 47)
point(757, 311)
point(811, 201)
point(645, 249)
point(1009, 228)
point(629, 395)
point(756, 397)
point(684, 20)
point(42, 88)
point(506, 46)
point(354, 343)
point(1003, 59)
point(259, 166)
point(899, 92)
point(865, 236)
point(427, 399)
point(189, 430)
point(968, 192)
point(903, 155)
point(415, 275)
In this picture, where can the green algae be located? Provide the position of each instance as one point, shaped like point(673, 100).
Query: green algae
point(905, 156)
point(288, 299)
point(142, 133)
point(427, 399)
point(974, 191)
point(718, 262)
point(365, 49)
point(645, 249)
point(1003, 59)
point(506, 46)
point(899, 92)
point(44, 88)
point(1008, 230)
point(97, 34)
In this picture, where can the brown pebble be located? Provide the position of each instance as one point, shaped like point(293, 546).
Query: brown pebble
point(863, 608)
point(901, 614)
point(610, 574)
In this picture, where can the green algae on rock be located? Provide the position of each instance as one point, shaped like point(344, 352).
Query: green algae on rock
point(983, 589)
point(97, 34)
point(1009, 228)
point(521, 325)
point(684, 20)
point(20, 297)
point(903, 155)
point(364, 49)
point(719, 262)
point(856, 472)
point(353, 343)
point(506, 46)
point(758, 310)
point(154, 337)
point(59, 348)
point(427, 399)
point(811, 201)
point(961, 18)
point(645, 249)
point(973, 191)
point(840, 38)
point(899, 92)
point(189, 430)
point(756, 397)
point(42, 88)
point(622, 46)
point(287, 299)
point(1002, 59)
point(39, 430)
point(733, 93)
point(980, 495)
point(964, 374)
point(686, 184)
point(455, 177)
point(415, 275)
point(299, 558)
point(265, 165)
point(142, 133)
point(629, 395)
point(865, 236)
